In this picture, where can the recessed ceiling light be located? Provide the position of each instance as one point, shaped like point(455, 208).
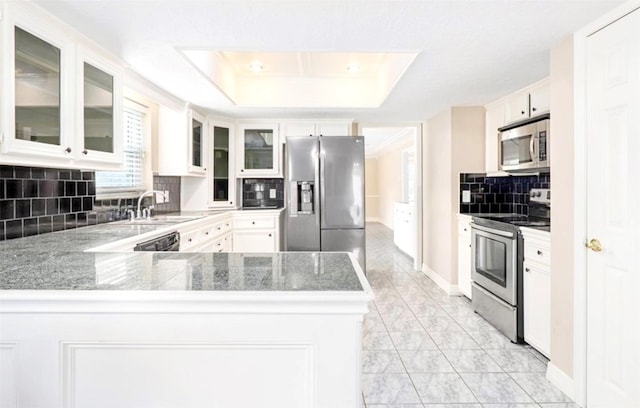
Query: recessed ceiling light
point(256, 66)
point(353, 68)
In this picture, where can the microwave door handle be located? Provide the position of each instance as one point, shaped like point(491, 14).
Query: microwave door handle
point(532, 148)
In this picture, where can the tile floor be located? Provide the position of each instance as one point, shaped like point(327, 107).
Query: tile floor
point(425, 349)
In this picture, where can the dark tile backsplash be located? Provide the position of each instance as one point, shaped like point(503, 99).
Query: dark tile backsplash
point(499, 194)
point(39, 200)
point(256, 192)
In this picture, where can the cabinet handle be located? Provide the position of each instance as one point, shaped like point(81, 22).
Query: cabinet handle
point(67, 150)
point(269, 234)
point(189, 240)
point(539, 252)
point(241, 170)
point(206, 233)
point(533, 109)
point(253, 222)
point(231, 202)
point(85, 152)
point(522, 112)
point(205, 169)
point(465, 229)
point(527, 270)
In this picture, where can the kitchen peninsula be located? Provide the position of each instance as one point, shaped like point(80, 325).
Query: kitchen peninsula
point(168, 329)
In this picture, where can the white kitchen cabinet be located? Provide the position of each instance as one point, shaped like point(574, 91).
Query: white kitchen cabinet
point(537, 289)
point(181, 142)
point(258, 150)
point(210, 234)
point(62, 95)
point(464, 255)
point(494, 120)
point(529, 102)
point(256, 231)
point(222, 181)
point(404, 227)
point(316, 128)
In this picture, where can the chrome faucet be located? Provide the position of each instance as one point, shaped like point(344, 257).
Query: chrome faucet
point(146, 193)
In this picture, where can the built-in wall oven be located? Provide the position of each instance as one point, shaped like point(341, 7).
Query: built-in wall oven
point(497, 275)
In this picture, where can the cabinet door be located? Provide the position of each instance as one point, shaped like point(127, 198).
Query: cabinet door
point(254, 241)
point(39, 111)
point(221, 179)
point(258, 151)
point(494, 120)
point(517, 107)
point(540, 101)
point(333, 129)
point(100, 128)
point(294, 129)
point(197, 137)
point(537, 306)
point(464, 258)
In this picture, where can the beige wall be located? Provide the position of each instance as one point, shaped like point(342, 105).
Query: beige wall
point(371, 189)
point(453, 142)
point(389, 180)
point(562, 226)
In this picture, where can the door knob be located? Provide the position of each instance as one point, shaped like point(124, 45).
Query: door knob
point(594, 245)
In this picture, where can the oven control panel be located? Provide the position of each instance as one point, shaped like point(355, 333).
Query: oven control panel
point(540, 195)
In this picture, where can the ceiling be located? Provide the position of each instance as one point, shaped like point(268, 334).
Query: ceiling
point(469, 52)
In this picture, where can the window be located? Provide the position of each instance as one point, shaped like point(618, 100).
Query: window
point(132, 178)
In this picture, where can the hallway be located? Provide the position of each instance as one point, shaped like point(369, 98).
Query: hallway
point(423, 348)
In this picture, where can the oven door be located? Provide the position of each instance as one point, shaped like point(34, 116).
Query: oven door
point(494, 257)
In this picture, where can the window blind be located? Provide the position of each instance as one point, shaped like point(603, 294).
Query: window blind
point(132, 177)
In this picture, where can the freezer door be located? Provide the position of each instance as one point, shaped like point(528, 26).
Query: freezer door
point(349, 240)
point(342, 182)
point(302, 221)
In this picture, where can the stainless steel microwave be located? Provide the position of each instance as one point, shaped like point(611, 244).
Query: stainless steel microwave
point(524, 146)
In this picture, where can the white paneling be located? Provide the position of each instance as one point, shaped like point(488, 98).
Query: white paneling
point(188, 375)
point(8, 375)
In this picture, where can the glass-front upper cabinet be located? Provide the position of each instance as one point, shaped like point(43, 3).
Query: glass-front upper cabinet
point(258, 151)
point(99, 96)
point(37, 117)
point(197, 137)
point(221, 180)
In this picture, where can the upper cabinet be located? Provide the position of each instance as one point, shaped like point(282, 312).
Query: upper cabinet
point(258, 151)
point(221, 179)
point(316, 128)
point(527, 103)
point(182, 142)
point(62, 96)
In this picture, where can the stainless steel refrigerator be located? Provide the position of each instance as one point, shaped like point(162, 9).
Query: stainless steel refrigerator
point(325, 194)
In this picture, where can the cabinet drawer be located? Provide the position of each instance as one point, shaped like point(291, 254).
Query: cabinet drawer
point(257, 222)
point(537, 251)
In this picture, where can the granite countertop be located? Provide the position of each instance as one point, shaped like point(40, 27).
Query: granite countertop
point(57, 261)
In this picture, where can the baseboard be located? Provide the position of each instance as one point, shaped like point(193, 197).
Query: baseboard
point(449, 289)
point(561, 380)
point(372, 219)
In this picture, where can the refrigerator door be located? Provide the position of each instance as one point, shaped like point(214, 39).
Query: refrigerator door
point(302, 222)
point(348, 240)
point(342, 182)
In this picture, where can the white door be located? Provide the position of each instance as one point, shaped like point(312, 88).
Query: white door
point(613, 146)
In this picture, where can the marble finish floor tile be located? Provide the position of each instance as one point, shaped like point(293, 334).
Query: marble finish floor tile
point(517, 360)
point(389, 389)
point(495, 388)
point(425, 361)
point(412, 340)
point(378, 340)
point(415, 326)
point(539, 388)
point(472, 361)
point(379, 361)
point(442, 388)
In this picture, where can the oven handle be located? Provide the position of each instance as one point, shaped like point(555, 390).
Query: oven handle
point(492, 231)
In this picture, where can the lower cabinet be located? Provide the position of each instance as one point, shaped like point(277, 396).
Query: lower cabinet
point(213, 234)
point(464, 255)
point(537, 290)
point(254, 232)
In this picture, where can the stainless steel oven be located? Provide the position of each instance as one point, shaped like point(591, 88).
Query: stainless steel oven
point(496, 272)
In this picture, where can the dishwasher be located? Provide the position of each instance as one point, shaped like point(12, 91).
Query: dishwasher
point(167, 242)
